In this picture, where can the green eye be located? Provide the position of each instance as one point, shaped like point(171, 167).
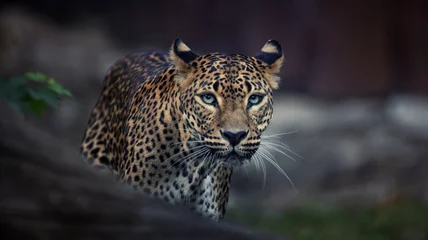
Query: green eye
point(209, 99)
point(254, 100)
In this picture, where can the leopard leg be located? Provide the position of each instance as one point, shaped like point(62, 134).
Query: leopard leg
point(93, 146)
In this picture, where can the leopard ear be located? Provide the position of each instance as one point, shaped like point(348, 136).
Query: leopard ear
point(272, 55)
point(181, 55)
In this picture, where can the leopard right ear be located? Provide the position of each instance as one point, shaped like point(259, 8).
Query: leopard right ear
point(181, 55)
point(273, 57)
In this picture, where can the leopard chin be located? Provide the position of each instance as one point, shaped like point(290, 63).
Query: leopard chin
point(233, 159)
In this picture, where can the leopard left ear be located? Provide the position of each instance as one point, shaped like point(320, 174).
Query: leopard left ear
point(181, 55)
point(272, 55)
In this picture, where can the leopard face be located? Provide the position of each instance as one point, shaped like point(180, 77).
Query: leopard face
point(227, 99)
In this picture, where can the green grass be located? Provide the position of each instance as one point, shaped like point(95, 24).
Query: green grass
point(403, 221)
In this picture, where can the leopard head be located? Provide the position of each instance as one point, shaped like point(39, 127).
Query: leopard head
point(226, 99)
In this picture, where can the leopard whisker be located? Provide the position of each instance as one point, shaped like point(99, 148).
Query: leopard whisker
point(191, 161)
point(196, 156)
point(246, 171)
point(264, 174)
point(182, 143)
point(269, 154)
point(279, 134)
point(179, 153)
point(260, 167)
point(204, 156)
point(276, 165)
point(257, 164)
point(278, 150)
point(278, 142)
point(190, 157)
point(276, 147)
point(196, 153)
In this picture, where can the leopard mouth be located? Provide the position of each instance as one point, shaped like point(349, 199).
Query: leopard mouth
point(230, 155)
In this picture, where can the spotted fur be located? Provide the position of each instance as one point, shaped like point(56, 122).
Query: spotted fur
point(155, 127)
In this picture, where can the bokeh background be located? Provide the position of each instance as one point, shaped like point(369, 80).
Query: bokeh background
point(353, 96)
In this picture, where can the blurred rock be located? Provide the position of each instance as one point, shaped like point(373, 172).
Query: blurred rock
point(410, 114)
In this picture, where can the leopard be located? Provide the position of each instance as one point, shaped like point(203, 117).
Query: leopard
point(174, 125)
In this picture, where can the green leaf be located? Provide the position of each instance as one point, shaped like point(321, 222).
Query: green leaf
point(34, 94)
point(17, 81)
point(59, 89)
point(48, 96)
point(37, 107)
point(14, 93)
point(55, 87)
point(36, 77)
point(43, 93)
point(66, 93)
point(12, 89)
point(25, 99)
point(51, 81)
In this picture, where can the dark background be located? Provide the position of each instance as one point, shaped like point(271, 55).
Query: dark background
point(354, 83)
point(333, 48)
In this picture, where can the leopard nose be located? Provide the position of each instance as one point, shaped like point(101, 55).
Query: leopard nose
point(234, 137)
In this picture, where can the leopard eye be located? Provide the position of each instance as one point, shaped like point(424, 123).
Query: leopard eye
point(254, 100)
point(209, 99)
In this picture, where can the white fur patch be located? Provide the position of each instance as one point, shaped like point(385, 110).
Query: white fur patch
point(269, 48)
point(183, 47)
